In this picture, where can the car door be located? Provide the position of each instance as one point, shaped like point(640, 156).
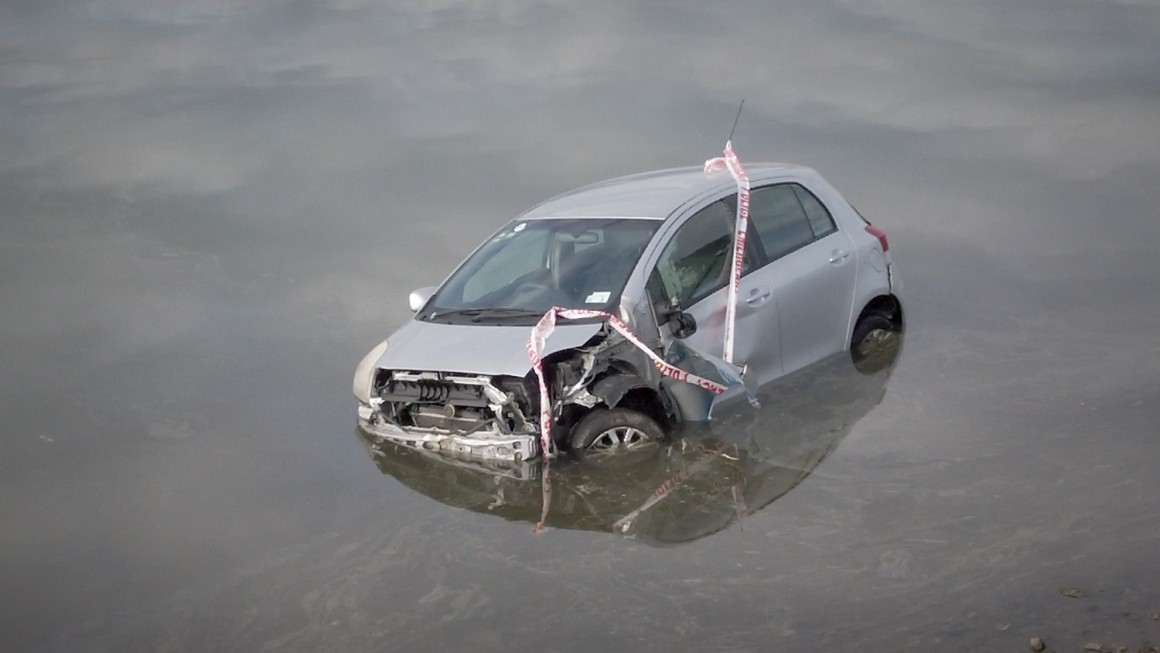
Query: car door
point(811, 267)
point(692, 273)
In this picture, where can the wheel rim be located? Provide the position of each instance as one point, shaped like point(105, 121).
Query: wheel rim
point(875, 337)
point(619, 436)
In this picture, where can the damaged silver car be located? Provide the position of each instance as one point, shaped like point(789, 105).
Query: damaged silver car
point(655, 251)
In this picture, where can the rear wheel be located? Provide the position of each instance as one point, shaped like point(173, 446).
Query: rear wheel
point(607, 430)
point(873, 338)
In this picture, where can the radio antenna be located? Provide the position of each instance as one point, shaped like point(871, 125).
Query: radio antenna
point(736, 118)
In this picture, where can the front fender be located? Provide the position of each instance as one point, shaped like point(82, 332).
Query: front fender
point(611, 389)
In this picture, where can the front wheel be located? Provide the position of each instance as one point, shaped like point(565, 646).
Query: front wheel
point(607, 430)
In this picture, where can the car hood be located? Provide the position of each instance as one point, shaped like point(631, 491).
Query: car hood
point(474, 349)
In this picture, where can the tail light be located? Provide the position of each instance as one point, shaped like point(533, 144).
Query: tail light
point(880, 235)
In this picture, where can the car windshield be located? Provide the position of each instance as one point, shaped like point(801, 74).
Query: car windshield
point(533, 265)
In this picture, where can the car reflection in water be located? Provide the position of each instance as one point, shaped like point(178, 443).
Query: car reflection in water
point(706, 479)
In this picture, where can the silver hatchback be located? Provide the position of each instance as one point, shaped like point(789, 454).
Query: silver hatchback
point(654, 251)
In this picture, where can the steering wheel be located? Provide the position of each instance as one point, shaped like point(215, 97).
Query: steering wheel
point(530, 294)
point(532, 288)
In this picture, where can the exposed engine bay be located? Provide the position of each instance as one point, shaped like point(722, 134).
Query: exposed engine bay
point(496, 417)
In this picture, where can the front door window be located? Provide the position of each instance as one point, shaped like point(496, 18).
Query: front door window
point(694, 264)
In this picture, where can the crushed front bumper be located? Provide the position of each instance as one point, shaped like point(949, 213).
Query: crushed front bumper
point(479, 445)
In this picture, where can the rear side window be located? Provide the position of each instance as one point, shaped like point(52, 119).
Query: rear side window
point(820, 219)
point(787, 217)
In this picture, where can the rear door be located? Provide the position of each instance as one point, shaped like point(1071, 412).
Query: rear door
point(810, 266)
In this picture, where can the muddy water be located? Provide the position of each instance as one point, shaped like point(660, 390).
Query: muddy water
point(209, 213)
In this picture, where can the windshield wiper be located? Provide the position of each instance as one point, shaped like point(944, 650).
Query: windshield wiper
point(477, 314)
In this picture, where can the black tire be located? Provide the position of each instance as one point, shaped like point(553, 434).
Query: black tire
point(607, 430)
point(869, 333)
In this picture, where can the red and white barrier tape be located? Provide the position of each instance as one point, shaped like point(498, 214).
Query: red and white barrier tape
point(547, 324)
point(739, 506)
point(545, 498)
point(731, 163)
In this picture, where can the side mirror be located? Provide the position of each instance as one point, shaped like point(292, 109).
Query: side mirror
point(682, 324)
point(418, 298)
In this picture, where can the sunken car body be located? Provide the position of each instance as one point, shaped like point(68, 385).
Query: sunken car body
point(667, 495)
point(655, 251)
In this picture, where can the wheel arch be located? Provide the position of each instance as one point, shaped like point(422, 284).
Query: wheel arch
point(887, 305)
point(628, 391)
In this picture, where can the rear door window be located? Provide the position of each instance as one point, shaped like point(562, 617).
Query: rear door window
point(820, 219)
point(787, 217)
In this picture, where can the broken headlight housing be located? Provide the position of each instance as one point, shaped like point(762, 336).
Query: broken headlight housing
point(364, 374)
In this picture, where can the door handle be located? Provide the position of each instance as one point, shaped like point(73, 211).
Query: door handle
point(837, 257)
point(757, 295)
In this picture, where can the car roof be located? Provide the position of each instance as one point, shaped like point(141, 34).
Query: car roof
point(657, 195)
